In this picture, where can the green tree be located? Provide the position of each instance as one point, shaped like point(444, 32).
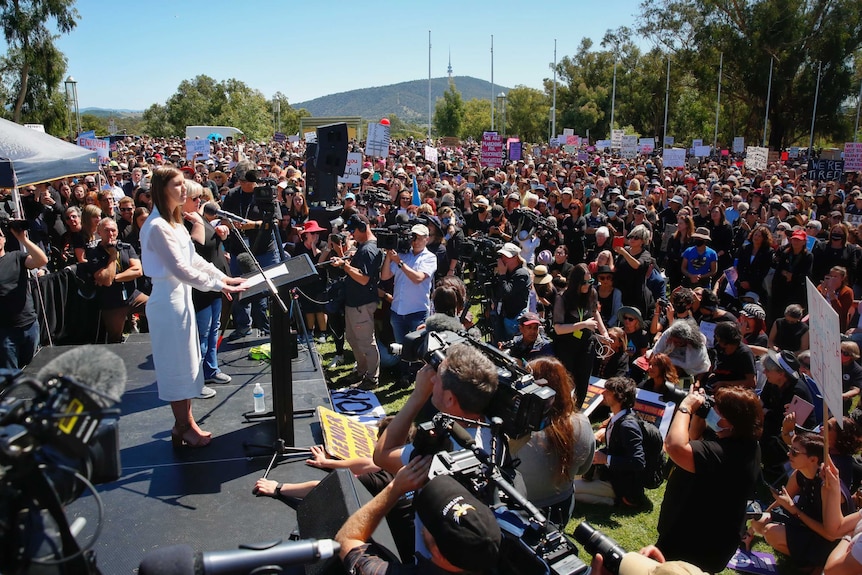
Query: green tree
point(477, 118)
point(156, 122)
point(26, 29)
point(449, 113)
point(527, 112)
point(197, 102)
point(247, 109)
point(794, 34)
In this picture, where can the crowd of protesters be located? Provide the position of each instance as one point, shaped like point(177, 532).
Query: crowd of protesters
point(622, 268)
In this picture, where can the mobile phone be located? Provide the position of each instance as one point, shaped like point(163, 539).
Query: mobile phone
point(471, 185)
point(458, 179)
point(619, 242)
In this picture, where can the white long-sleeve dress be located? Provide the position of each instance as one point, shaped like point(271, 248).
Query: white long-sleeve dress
point(169, 258)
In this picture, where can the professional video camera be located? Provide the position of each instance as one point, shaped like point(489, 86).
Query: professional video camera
point(55, 440)
point(522, 404)
point(481, 251)
point(266, 196)
point(376, 196)
point(394, 238)
point(531, 543)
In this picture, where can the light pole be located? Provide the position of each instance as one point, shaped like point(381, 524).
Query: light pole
point(276, 110)
point(72, 100)
point(501, 103)
point(551, 123)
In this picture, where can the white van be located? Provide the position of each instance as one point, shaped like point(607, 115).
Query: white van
point(201, 132)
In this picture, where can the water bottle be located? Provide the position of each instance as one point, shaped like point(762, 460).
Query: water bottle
point(259, 403)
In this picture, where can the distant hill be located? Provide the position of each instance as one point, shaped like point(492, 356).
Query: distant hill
point(407, 100)
point(106, 113)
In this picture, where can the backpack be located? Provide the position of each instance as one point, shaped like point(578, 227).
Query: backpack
point(653, 454)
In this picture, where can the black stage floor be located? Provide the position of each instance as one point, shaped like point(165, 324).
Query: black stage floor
point(200, 497)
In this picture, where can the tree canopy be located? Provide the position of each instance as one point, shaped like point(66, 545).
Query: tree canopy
point(449, 113)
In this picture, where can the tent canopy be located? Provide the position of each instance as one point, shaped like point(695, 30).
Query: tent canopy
point(36, 157)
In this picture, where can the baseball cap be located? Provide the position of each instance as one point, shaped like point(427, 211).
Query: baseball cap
point(529, 318)
point(799, 235)
point(464, 529)
point(349, 196)
point(355, 221)
point(420, 230)
point(677, 200)
point(509, 250)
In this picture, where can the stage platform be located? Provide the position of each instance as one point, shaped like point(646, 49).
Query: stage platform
point(200, 497)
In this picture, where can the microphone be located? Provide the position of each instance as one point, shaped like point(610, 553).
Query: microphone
point(212, 209)
point(183, 560)
point(443, 322)
point(246, 263)
point(461, 436)
point(91, 368)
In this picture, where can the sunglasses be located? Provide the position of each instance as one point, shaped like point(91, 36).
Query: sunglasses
point(629, 318)
point(127, 209)
point(793, 452)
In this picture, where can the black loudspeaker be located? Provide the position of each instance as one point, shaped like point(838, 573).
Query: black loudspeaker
point(331, 149)
point(325, 509)
point(322, 187)
point(324, 215)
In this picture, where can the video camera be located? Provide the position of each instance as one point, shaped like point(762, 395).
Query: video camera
point(55, 440)
point(374, 196)
point(522, 404)
point(531, 543)
point(266, 196)
point(481, 251)
point(396, 238)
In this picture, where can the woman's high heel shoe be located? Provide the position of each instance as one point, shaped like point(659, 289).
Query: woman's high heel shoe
point(186, 437)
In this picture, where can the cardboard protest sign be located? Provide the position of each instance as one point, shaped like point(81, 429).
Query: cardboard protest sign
point(345, 438)
point(756, 157)
point(197, 147)
point(491, 154)
point(826, 170)
point(674, 158)
point(825, 341)
point(738, 145)
point(852, 156)
point(352, 169)
point(377, 141)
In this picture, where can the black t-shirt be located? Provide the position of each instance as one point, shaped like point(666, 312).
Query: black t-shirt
point(245, 205)
point(211, 251)
point(789, 335)
point(703, 512)
point(368, 259)
point(735, 366)
point(16, 303)
point(563, 269)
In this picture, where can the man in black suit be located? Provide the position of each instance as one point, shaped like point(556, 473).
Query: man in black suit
point(620, 465)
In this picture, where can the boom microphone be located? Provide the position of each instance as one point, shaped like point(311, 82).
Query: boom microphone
point(183, 560)
point(92, 368)
point(211, 209)
point(443, 322)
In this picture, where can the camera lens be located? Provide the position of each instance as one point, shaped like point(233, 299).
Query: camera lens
point(594, 542)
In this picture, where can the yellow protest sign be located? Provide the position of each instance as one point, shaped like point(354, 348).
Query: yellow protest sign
point(345, 438)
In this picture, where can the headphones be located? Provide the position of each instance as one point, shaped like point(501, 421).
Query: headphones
point(355, 222)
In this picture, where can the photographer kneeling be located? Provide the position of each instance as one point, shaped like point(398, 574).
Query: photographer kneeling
point(462, 386)
point(703, 511)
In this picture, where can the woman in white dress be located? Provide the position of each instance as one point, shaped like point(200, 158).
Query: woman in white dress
point(169, 258)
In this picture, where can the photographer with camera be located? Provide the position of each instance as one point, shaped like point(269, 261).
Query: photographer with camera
point(512, 287)
point(462, 385)
point(243, 202)
point(411, 296)
point(703, 511)
point(460, 532)
point(19, 328)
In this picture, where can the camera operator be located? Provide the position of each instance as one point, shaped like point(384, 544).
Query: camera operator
point(460, 531)
point(462, 385)
point(19, 328)
point(258, 235)
point(703, 510)
point(114, 267)
point(511, 290)
point(360, 302)
point(530, 343)
point(411, 295)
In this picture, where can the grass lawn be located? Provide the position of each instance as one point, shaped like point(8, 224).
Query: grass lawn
point(632, 530)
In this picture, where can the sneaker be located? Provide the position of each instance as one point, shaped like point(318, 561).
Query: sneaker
point(220, 377)
point(367, 384)
point(351, 378)
point(238, 334)
point(321, 338)
point(336, 361)
point(403, 382)
point(206, 393)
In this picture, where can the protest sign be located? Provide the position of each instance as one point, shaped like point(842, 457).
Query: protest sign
point(358, 405)
point(377, 141)
point(568, 132)
point(755, 157)
point(826, 170)
point(515, 149)
point(431, 154)
point(345, 438)
point(97, 145)
point(583, 156)
point(37, 127)
point(825, 344)
point(702, 151)
point(352, 169)
point(696, 143)
point(793, 152)
point(293, 139)
point(617, 138)
point(279, 137)
point(573, 141)
point(668, 140)
point(554, 142)
point(646, 145)
point(492, 150)
point(310, 137)
point(201, 147)
point(450, 142)
point(674, 158)
point(603, 144)
point(738, 145)
point(648, 405)
point(629, 146)
point(852, 156)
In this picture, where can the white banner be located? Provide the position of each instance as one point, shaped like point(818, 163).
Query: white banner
point(852, 156)
point(825, 343)
point(352, 169)
point(738, 145)
point(310, 137)
point(37, 127)
point(603, 144)
point(629, 146)
point(197, 147)
point(568, 131)
point(668, 140)
point(431, 154)
point(756, 158)
point(646, 145)
point(702, 151)
point(674, 158)
point(377, 141)
point(696, 143)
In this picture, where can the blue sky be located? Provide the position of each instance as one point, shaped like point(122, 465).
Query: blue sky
point(130, 54)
